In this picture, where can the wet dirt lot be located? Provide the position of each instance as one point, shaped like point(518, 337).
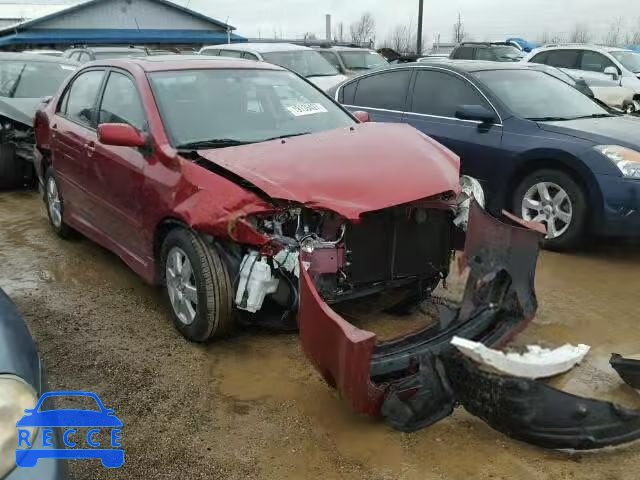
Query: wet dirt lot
point(252, 407)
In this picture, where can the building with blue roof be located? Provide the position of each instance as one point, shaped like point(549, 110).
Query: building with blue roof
point(118, 22)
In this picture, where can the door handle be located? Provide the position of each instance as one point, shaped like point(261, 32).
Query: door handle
point(90, 147)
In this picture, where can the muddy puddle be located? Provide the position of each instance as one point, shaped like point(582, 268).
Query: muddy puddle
point(251, 407)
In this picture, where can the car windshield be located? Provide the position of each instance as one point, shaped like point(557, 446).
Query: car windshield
point(222, 107)
point(538, 96)
point(630, 60)
point(362, 60)
point(32, 79)
point(307, 63)
point(508, 54)
point(119, 54)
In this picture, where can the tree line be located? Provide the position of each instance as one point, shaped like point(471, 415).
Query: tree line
point(403, 37)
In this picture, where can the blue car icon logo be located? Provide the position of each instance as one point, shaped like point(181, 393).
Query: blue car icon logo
point(67, 419)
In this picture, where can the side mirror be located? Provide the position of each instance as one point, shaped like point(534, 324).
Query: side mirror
point(612, 72)
point(476, 113)
point(120, 135)
point(363, 117)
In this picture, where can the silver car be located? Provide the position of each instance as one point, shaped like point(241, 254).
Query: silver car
point(595, 64)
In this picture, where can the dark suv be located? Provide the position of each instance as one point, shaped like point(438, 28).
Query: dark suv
point(495, 52)
point(88, 54)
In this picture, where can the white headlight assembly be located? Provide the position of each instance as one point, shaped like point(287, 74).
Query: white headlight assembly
point(16, 395)
point(627, 160)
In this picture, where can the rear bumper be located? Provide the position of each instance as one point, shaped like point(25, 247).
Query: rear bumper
point(621, 210)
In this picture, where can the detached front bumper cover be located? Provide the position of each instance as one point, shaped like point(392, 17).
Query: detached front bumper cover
point(418, 379)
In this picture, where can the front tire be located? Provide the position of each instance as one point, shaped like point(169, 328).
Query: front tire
point(554, 199)
point(198, 287)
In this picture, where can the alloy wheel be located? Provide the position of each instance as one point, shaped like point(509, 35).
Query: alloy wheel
point(53, 203)
point(548, 203)
point(181, 285)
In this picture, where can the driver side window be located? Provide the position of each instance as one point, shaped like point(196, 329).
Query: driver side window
point(595, 62)
point(121, 103)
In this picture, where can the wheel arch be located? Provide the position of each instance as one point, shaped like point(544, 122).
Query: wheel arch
point(565, 163)
point(161, 231)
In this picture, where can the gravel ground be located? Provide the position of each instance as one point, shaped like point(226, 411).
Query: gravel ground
point(252, 408)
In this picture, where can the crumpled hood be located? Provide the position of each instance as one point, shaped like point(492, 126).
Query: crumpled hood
point(349, 171)
point(21, 110)
point(622, 130)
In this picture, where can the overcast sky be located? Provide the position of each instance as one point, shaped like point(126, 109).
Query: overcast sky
point(483, 20)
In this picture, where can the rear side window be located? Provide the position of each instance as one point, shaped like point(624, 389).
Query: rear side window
point(249, 56)
point(230, 53)
point(463, 53)
point(121, 103)
point(211, 51)
point(348, 93)
point(441, 94)
point(81, 98)
point(384, 90)
point(563, 58)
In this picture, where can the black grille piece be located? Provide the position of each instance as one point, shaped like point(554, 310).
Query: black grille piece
point(398, 243)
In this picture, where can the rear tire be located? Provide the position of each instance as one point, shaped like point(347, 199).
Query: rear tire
point(548, 196)
point(198, 287)
point(55, 205)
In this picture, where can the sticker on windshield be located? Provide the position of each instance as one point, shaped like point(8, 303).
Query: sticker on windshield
point(301, 109)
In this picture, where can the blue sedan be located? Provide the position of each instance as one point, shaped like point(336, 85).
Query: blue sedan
point(541, 149)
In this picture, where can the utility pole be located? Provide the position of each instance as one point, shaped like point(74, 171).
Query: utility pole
point(420, 12)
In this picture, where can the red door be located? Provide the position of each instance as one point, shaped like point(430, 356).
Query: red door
point(73, 127)
point(117, 173)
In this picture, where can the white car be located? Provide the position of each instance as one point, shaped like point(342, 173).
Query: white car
point(302, 60)
point(614, 66)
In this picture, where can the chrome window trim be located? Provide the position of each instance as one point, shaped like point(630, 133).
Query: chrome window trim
point(421, 115)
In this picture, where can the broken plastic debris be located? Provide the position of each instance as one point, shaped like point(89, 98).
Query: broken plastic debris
point(627, 368)
point(536, 362)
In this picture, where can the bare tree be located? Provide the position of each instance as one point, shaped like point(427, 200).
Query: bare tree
point(458, 30)
point(635, 34)
point(402, 38)
point(363, 30)
point(580, 34)
point(613, 38)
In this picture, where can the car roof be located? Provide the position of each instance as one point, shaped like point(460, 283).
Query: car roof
point(109, 49)
point(344, 49)
point(35, 57)
point(259, 47)
point(579, 46)
point(162, 63)
point(462, 66)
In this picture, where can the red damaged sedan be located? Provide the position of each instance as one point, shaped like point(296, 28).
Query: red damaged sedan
point(253, 197)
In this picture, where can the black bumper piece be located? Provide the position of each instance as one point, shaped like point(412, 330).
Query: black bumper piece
point(538, 414)
point(628, 369)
